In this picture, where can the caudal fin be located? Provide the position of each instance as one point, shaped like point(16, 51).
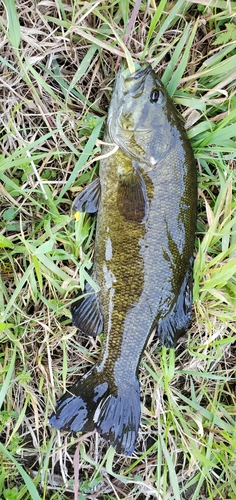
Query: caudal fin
point(94, 403)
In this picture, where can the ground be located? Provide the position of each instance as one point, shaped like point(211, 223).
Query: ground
point(58, 64)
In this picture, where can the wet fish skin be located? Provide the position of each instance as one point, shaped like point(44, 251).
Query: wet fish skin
point(143, 256)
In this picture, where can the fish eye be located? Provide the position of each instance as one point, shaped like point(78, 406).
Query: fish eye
point(154, 96)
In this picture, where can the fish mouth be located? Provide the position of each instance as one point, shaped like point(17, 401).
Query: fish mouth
point(134, 83)
point(140, 73)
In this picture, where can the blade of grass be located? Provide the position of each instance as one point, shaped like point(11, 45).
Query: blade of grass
point(28, 481)
point(83, 158)
point(153, 25)
point(171, 469)
point(166, 77)
point(97, 41)
point(13, 24)
point(178, 8)
point(178, 73)
point(6, 383)
point(17, 291)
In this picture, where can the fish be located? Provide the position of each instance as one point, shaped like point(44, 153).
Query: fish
point(145, 198)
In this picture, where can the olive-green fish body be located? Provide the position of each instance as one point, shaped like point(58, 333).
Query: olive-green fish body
point(143, 255)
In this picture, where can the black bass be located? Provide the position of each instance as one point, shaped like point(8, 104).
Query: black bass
point(146, 203)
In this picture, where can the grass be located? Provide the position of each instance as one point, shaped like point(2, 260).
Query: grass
point(57, 72)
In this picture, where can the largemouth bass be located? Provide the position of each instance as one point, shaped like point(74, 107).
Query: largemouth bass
point(146, 203)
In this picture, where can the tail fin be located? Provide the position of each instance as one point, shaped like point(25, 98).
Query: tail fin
point(94, 403)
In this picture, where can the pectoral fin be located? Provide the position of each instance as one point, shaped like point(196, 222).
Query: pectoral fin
point(88, 199)
point(131, 197)
point(86, 314)
point(178, 321)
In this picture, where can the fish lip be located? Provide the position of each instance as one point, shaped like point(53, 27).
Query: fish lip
point(139, 74)
point(134, 83)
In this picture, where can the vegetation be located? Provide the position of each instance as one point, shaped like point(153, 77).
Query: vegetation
point(58, 62)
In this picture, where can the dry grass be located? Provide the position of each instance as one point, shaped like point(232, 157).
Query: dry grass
point(57, 71)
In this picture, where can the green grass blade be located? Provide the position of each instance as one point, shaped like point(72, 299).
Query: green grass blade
point(14, 32)
point(17, 291)
point(178, 73)
point(171, 469)
point(83, 158)
point(28, 481)
point(153, 23)
point(179, 6)
point(6, 383)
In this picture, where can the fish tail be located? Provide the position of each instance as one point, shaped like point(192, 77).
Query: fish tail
point(95, 404)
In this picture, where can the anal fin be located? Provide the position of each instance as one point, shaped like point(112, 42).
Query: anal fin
point(86, 313)
point(177, 322)
point(88, 200)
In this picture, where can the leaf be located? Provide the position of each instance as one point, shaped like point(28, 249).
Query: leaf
point(178, 73)
point(27, 479)
point(46, 247)
point(9, 214)
point(229, 35)
point(38, 272)
point(5, 242)
point(13, 23)
point(153, 24)
point(4, 326)
point(6, 383)
point(83, 158)
point(17, 291)
point(172, 472)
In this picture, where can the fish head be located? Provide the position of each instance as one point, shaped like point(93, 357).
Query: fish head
point(139, 117)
